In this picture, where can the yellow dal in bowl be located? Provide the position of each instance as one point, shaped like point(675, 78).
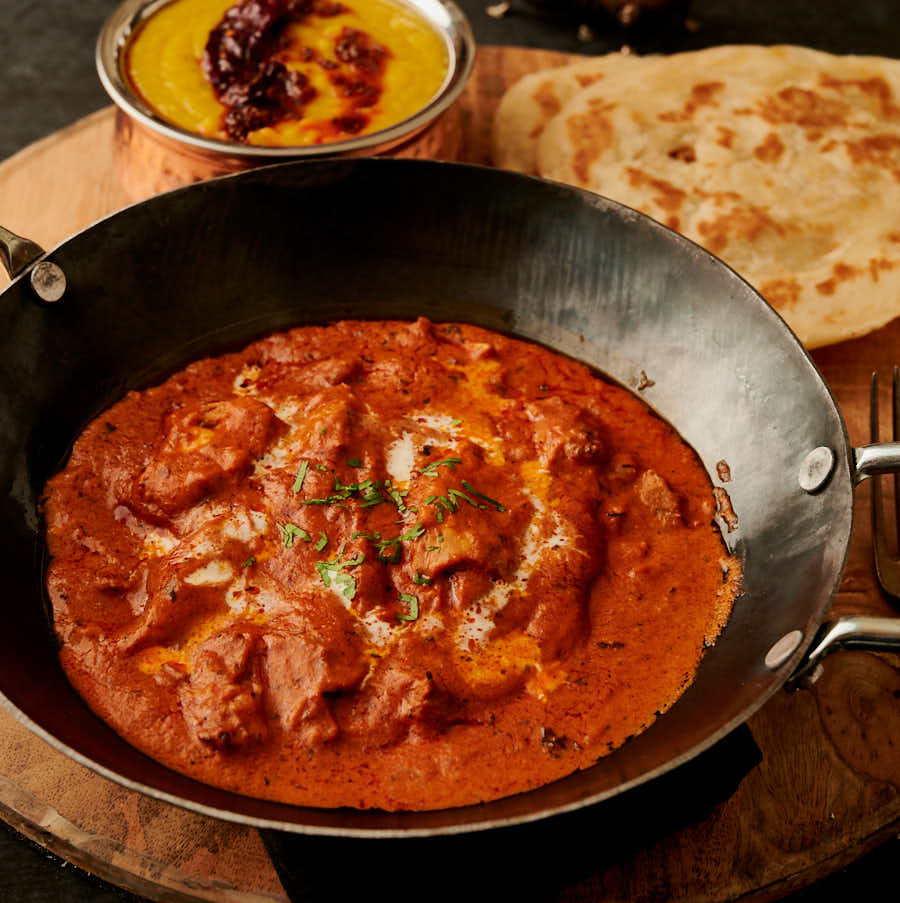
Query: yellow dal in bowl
point(163, 65)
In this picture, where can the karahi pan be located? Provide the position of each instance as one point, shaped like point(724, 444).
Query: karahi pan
point(208, 268)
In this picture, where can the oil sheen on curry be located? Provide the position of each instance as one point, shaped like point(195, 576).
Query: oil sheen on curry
point(383, 565)
point(285, 72)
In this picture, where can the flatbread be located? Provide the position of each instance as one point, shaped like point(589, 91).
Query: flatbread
point(535, 99)
point(783, 161)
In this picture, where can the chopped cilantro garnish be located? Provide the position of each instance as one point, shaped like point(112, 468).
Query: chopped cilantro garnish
point(389, 549)
point(442, 501)
point(481, 495)
point(431, 548)
point(354, 462)
point(413, 603)
point(413, 533)
point(371, 495)
point(397, 497)
point(422, 580)
point(455, 422)
point(370, 492)
point(290, 532)
point(389, 552)
point(457, 493)
point(346, 583)
point(249, 562)
point(321, 542)
point(431, 469)
point(373, 536)
point(321, 467)
point(332, 572)
point(301, 476)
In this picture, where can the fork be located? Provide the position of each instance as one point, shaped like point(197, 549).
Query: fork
point(887, 565)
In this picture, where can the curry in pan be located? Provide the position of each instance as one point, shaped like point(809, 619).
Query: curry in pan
point(383, 564)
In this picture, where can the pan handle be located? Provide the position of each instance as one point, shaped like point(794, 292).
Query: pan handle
point(18, 255)
point(884, 457)
point(853, 632)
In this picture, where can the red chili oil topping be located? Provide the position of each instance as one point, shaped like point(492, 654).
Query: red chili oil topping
point(241, 62)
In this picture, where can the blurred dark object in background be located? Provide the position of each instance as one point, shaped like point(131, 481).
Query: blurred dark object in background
point(631, 14)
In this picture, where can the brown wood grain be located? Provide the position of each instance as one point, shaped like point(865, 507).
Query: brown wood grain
point(827, 790)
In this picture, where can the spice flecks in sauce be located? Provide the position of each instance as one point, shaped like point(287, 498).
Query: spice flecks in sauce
point(296, 560)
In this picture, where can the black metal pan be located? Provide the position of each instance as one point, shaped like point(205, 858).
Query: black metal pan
point(210, 267)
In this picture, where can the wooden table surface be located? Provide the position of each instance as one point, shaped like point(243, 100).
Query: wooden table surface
point(827, 788)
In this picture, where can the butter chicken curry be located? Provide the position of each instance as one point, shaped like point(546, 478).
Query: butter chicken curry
point(383, 564)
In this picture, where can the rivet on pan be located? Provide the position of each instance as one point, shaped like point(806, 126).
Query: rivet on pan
point(48, 281)
point(783, 649)
point(816, 469)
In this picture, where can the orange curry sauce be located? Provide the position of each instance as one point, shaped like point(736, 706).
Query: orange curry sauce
point(383, 564)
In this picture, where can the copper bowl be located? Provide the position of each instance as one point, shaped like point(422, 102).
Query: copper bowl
point(153, 155)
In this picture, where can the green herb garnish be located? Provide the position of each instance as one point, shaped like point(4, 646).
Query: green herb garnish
point(389, 549)
point(321, 542)
point(290, 532)
point(370, 492)
point(354, 462)
point(459, 494)
point(249, 562)
point(301, 476)
point(422, 580)
point(482, 496)
point(397, 498)
point(332, 572)
point(431, 469)
point(413, 603)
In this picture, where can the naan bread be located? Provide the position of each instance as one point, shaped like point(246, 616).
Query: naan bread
point(535, 99)
point(783, 161)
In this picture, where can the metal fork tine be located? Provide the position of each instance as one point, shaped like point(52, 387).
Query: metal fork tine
point(873, 409)
point(878, 538)
point(895, 432)
point(887, 564)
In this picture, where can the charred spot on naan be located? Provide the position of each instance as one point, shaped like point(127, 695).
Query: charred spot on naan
point(881, 150)
point(590, 133)
point(545, 97)
point(805, 108)
point(841, 272)
point(781, 293)
point(668, 197)
point(770, 150)
point(703, 94)
point(873, 92)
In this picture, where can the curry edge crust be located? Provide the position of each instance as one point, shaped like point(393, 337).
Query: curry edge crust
point(383, 565)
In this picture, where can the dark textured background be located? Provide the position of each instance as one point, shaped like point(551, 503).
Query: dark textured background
point(47, 80)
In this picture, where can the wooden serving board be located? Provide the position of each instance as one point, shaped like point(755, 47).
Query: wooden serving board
point(828, 786)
